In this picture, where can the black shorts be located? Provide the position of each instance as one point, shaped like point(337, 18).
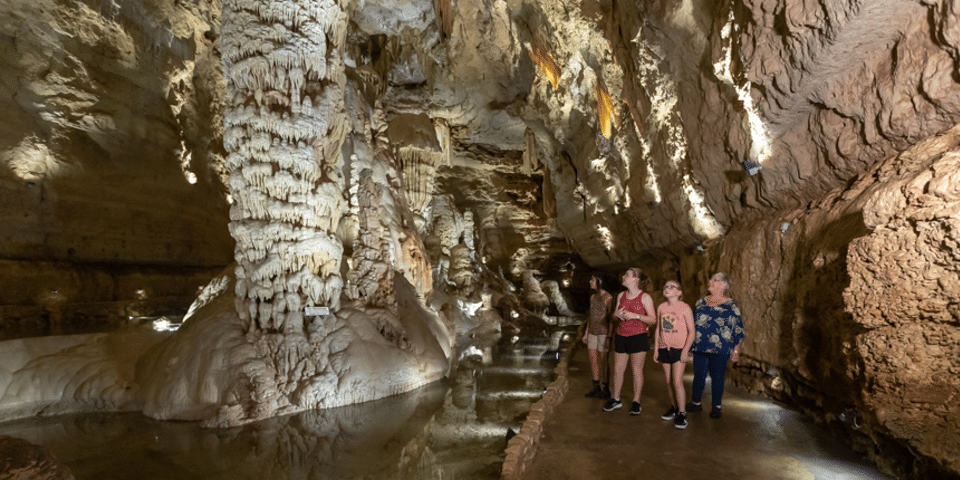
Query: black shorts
point(632, 344)
point(668, 355)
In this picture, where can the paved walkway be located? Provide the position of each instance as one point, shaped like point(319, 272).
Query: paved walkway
point(755, 439)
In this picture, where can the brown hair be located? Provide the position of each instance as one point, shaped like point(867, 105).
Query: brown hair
point(600, 282)
point(644, 281)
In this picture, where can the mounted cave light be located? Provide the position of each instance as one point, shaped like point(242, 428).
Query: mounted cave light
point(163, 324)
point(760, 145)
point(541, 55)
point(751, 168)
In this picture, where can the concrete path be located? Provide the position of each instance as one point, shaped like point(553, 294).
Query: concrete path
point(755, 439)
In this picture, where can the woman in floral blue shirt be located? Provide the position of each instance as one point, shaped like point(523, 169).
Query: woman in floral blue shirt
point(719, 335)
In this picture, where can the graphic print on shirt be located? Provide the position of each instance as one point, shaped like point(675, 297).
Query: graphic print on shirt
point(668, 323)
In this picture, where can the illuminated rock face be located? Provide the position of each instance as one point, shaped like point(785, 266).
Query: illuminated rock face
point(110, 163)
point(608, 134)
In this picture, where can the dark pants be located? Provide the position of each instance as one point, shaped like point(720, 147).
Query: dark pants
point(716, 364)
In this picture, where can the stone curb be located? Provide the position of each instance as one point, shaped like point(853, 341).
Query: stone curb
point(522, 448)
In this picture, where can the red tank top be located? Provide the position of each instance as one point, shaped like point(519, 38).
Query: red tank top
point(631, 327)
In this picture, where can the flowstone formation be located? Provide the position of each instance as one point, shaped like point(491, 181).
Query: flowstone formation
point(286, 130)
point(384, 156)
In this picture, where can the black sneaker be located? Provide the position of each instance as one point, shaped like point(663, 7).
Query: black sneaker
point(635, 408)
point(680, 421)
point(605, 394)
point(612, 405)
point(595, 393)
point(693, 407)
point(716, 413)
point(670, 414)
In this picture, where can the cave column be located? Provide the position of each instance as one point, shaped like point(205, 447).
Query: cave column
point(285, 125)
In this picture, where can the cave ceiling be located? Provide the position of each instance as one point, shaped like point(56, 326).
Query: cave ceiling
point(612, 129)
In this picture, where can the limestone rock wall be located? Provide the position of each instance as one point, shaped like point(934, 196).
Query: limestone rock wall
point(850, 308)
point(109, 143)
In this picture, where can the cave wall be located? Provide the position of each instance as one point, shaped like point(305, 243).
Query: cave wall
point(606, 134)
point(108, 159)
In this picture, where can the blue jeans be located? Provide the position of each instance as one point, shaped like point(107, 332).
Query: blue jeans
point(716, 364)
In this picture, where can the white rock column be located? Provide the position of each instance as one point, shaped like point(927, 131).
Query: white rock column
point(285, 125)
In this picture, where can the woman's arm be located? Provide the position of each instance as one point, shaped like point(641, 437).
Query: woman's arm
point(738, 332)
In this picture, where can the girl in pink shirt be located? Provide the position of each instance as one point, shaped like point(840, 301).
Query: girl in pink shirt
point(672, 341)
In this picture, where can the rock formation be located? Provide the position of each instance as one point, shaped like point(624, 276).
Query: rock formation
point(383, 158)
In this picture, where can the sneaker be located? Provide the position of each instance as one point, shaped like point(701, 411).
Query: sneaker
point(670, 414)
point(635, 408)
point(612, 405)
point(595, 393)
point(693, 407)
point(680, 421)
point(716, 413)
point(605, 394)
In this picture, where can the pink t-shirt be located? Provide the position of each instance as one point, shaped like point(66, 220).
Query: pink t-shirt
point(672, 331)
point(631, 327)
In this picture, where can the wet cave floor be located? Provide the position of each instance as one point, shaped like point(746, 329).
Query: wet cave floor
point(454, 429)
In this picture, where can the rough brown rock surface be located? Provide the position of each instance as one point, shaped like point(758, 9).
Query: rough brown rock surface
point(22, 460)
point(595, 132)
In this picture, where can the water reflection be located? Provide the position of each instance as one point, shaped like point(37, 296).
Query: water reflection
point(451, 429)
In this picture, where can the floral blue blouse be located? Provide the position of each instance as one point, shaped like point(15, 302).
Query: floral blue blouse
point(719, 328)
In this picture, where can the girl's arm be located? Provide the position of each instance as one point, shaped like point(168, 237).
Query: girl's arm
point(618, 313)
point(687, 318)
point(651, 317)
point(656, 335)
point(608, 311)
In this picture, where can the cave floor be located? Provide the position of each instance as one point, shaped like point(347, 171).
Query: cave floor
point(755, 439)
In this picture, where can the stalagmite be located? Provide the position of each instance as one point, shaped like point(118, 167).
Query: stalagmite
point(269, 64)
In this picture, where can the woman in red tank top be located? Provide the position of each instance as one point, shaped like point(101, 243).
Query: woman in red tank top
point(634, 312)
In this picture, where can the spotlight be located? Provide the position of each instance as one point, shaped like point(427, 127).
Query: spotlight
point(751, 168)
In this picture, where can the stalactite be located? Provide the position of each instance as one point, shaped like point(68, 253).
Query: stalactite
point(540, 54)
point(419, 169)
point(530, 159)
point(606, 116)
